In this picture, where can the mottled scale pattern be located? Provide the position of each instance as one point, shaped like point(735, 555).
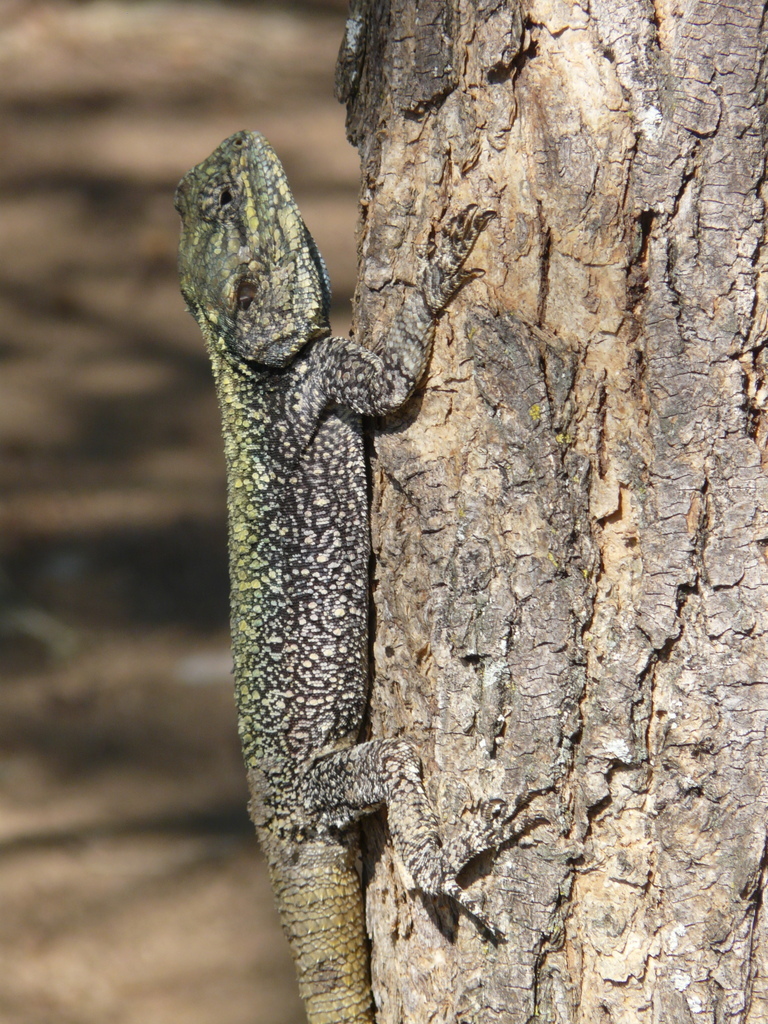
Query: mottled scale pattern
point(291, 397)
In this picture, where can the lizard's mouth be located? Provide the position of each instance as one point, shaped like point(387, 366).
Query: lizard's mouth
point(245, 294)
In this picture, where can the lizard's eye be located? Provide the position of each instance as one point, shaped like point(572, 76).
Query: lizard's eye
point(219, 200)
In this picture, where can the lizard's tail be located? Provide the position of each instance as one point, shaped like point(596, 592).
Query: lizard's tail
point(321, 909)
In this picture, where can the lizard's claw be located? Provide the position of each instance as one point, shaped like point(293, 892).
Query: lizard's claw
point(484, 833)
point(466, 226)
point(472, 907)
point(442, 262)
point(435, 875)
point(487, 830)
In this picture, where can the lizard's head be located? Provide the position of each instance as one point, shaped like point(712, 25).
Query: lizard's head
point(250, 271)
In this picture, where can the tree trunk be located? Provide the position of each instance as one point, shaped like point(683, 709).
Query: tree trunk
point(570, 518)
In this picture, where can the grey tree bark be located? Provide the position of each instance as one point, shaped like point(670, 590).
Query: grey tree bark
point(570, 518)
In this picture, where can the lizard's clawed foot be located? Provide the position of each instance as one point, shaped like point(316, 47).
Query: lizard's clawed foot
point(442, 261)
point(484, 833)
point(472, 907)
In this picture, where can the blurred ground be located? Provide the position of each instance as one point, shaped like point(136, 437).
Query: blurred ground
point(130, 885)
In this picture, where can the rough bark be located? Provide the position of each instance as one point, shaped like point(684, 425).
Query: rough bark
point(570, 518)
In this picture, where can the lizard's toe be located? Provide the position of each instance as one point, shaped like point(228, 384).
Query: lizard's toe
point(472, 907)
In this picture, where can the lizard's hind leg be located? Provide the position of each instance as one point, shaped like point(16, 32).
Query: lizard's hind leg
point(350, 783)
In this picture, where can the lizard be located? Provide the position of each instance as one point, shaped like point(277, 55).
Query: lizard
point(291, 397)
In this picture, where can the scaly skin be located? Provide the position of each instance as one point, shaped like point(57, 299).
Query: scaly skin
point(291, 397)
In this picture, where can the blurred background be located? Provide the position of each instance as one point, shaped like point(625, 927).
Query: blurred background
point(131, 889)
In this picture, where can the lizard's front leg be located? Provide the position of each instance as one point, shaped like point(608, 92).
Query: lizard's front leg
point(374, 383)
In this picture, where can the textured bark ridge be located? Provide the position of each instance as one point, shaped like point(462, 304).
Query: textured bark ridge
point(570, 519)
